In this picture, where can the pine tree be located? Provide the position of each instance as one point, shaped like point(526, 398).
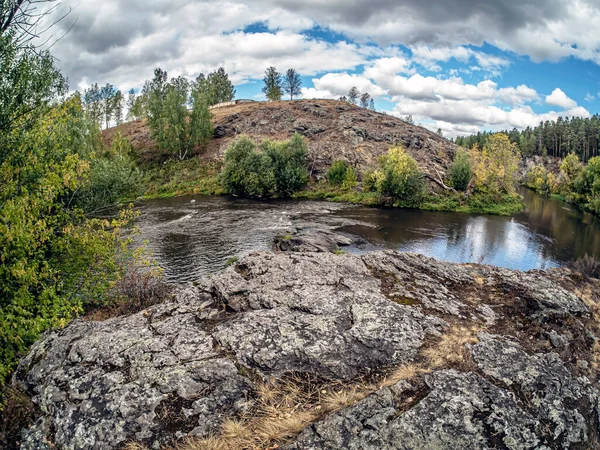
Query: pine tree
point(220, 89)
point(131, 104)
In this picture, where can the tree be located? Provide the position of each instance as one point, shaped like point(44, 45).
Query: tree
point(460, 171)
point(365, 99)
point(107, 94)
point(92, 99)
point(220, 89)
point(353, 95)
point(273, 87)
point(292, 83)
point(495, 166)
point(130, 104)
point(27, 20)
point(439, 132)
point(118, 107)
point(201, 127)
point(409, 119)
point(343, 98)
point(48, 247)
point(372, 104)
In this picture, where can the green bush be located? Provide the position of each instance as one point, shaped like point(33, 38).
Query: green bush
point(460, 171)
point(110, 179)
point(278, 169)
point(341, 174)
point(337, 172)
point(400, 178)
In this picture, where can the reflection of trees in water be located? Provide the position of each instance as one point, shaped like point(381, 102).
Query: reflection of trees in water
point(574, 232)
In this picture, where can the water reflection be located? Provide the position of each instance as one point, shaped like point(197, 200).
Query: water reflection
point(193, 239)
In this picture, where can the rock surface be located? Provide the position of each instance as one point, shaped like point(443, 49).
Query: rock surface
point(332, 128)
point(529, 380)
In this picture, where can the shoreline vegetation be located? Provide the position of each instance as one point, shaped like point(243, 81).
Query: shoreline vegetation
point(471, 186)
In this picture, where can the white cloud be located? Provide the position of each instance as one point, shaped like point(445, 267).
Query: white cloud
point(589, 97)
point(559, 98)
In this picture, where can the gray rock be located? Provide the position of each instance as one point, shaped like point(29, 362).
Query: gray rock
point(307, 241)
point(103, 383)
point(551, 392)
point(175, 369)
point(301, 312)
point(461, 411)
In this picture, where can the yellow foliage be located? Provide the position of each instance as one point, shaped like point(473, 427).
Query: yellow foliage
point(494, 167)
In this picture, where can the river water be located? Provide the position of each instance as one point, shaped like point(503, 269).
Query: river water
point(194, 236)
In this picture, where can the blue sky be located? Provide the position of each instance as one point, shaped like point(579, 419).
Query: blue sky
point(459, 65)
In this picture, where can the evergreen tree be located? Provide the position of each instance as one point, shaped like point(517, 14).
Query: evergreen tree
point(372, 104)
point(118, 107)
point(107, 94)
point(292, 83)
point(273, 84)
point(365, 99)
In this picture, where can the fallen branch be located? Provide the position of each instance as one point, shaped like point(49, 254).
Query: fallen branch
point(439, 181)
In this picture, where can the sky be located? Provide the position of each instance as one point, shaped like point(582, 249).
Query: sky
point(459, 65)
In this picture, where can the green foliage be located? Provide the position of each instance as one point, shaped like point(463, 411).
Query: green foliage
point(460, 171)
point(537, 178)
point(54, 260)
point(171, 126)
point(276, 170)
point(272, 89)
point(337, 172)
point(369, 181)
point(292, 83)
point(351, 178)
point(399, 177)
point(111, 178)
point(495, 166)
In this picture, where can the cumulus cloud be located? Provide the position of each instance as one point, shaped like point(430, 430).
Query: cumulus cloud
point(559, 98)
point(384, 47)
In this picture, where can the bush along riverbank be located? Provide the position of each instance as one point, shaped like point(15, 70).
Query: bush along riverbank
point(574, 183)
point(478, 181)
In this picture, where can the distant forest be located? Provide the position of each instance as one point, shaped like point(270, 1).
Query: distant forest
point(553, 138)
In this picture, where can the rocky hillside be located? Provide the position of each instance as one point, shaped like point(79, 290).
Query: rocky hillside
point(311, 350)
point(334, 130)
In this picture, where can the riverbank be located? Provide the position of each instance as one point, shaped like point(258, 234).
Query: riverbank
point(196, 176)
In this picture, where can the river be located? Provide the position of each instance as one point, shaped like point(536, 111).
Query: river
point(194, 236)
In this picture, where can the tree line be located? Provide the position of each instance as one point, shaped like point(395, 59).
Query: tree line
point(557, 138)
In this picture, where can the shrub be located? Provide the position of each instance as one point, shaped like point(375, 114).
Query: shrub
point(278, 169)
point(369, 181)
point(399, 177)
point(110, 179)
point(341, 174)
point(337, 172)
point(537, 178)
point(495, 166)
point(460, 171)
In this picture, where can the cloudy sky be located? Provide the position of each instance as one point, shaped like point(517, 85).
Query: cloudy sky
point(459, 65)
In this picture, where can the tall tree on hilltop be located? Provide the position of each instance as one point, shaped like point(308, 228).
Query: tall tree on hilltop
point(292, 83)
point(130, 104)
point(107, 93)
point(353, 95)
point(365, 99)
point(92, 102)
point(219, 87)
point(372, 104)
point(272, 88)
point(118, 107)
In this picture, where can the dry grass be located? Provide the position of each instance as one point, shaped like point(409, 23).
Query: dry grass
point(452, 347)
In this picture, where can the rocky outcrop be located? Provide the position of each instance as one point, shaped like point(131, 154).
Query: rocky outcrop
point(528, 380)
point(333, 129)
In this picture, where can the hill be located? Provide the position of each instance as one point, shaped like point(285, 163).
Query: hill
point(334, 130)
